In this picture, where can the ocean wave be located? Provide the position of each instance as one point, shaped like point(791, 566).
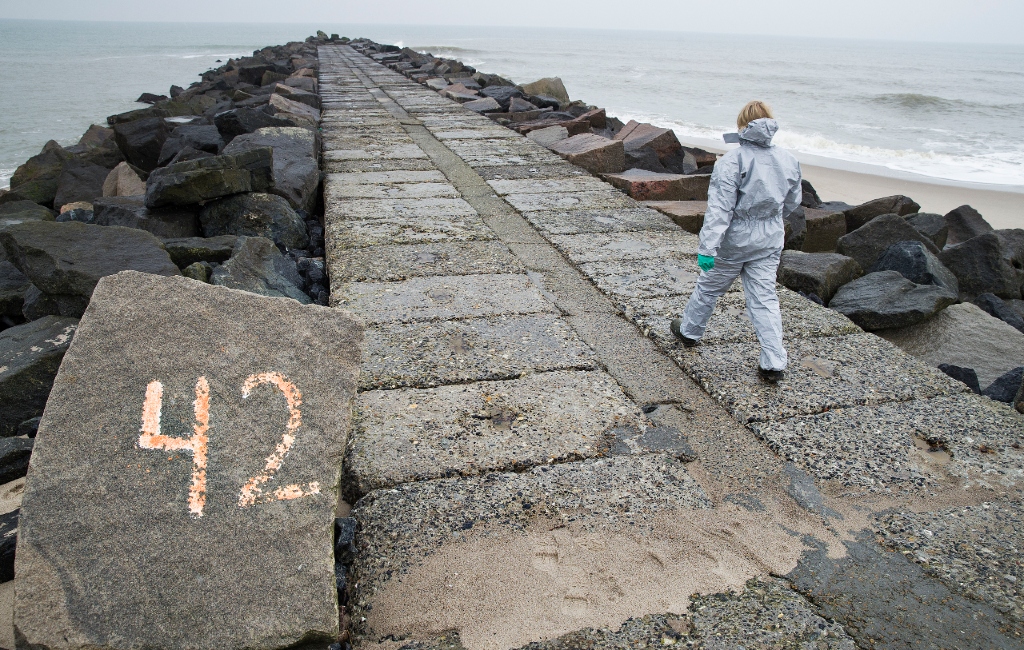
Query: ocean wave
point(5, 178)
point(989, 167)
point(916, 102)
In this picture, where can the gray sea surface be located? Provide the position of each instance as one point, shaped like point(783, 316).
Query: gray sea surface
point(951, 112)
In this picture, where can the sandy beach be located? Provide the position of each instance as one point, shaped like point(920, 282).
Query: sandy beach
point(1001, 209)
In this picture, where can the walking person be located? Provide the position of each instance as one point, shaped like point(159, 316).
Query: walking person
point(753, 189)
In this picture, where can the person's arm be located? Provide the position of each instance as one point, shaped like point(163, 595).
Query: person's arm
point(795, 195)
point(722, 197)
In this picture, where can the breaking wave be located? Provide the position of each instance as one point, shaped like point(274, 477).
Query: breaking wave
point(991, 167)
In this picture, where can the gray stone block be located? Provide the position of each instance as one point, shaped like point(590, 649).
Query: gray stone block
point(238, 458)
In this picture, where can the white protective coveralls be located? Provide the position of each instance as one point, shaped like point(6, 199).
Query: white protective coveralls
point(752, 189)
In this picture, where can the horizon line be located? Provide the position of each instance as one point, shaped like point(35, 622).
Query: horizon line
point(535, 27)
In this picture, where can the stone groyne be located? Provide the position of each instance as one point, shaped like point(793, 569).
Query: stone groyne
point(531, 460)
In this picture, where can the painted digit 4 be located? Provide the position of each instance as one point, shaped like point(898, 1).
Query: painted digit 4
point(197, 444)
point(252, 492)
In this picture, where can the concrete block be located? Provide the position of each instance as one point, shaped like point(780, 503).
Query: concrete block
point(238, 457)
point(645, 185)
point(688, 214)
point(594, 153)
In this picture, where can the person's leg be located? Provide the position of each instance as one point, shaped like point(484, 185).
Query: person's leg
point(711, 285)
point(763, 309)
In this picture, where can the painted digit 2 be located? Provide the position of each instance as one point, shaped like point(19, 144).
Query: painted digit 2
point(197, 445)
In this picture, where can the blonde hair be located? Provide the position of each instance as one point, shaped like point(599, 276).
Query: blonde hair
point(754, 110)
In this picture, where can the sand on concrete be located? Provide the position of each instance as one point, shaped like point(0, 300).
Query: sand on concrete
point(556, 578)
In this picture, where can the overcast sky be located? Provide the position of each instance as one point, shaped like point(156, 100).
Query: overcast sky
point(984, 21)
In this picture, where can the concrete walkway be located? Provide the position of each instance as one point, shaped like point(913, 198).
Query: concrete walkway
point(534, 458)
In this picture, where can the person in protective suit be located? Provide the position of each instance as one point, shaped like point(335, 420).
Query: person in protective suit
point(753, 189)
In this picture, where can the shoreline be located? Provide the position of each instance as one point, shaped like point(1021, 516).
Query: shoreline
point(855, 183)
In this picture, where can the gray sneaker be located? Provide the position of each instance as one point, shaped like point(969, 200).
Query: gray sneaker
point(676, 327)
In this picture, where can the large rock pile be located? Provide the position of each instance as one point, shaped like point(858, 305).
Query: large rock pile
point(219, 182)
point(543, 111)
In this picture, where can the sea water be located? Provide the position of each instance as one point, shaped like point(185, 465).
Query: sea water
point(951, 112)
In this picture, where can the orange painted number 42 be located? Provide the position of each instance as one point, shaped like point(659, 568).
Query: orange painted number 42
point(197, 444)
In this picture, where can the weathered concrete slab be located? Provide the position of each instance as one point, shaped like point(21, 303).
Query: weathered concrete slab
point(492, 133)
point(646, 278)
point(377, 165)
point(385, 177)
point(730, 323)
point(401, 529)
point(410, 435)
point(211, 527)
point(583, 221)
point(388, 263)
point(336, 190)
point(610, 247)
point(545, 171)
point(469, 296)
point(390, 152)
point(824, 374)
point(545, 185)
point(601, 200)
point(906, 445)
point(343, 234)
point(411, 209)
point(422, 355)
point(766, 614)
point(974, 550)
point(500, 152)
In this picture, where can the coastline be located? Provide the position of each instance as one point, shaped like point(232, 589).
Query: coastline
point(858, 183)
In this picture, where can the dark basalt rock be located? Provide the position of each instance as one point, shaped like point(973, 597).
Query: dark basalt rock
point(31, 354)
point(886, 300)
point(257, 266)
point(255, 215)
point(865, 212)
point(37, 179)
point(502, 94)
point(70, 258)
point(14, 455)
point(191, 250)
point(995, 306)
point(238, 121)
point(17, 212)
point(989, 263)
point(965, 223)
point(131, 212)
point(197, 181)
point(810, 196)
point(965, 376)
point(914, 262)
point(8, 544)
point(867, 243)
point(1006, 388)
point(296, 175)
point(201, 137)
point(820, 274)
point(932, 226)
point(141, 141)
point(79, 181)
point(13, 285)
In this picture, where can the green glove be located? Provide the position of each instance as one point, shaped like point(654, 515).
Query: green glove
point(705, 263)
